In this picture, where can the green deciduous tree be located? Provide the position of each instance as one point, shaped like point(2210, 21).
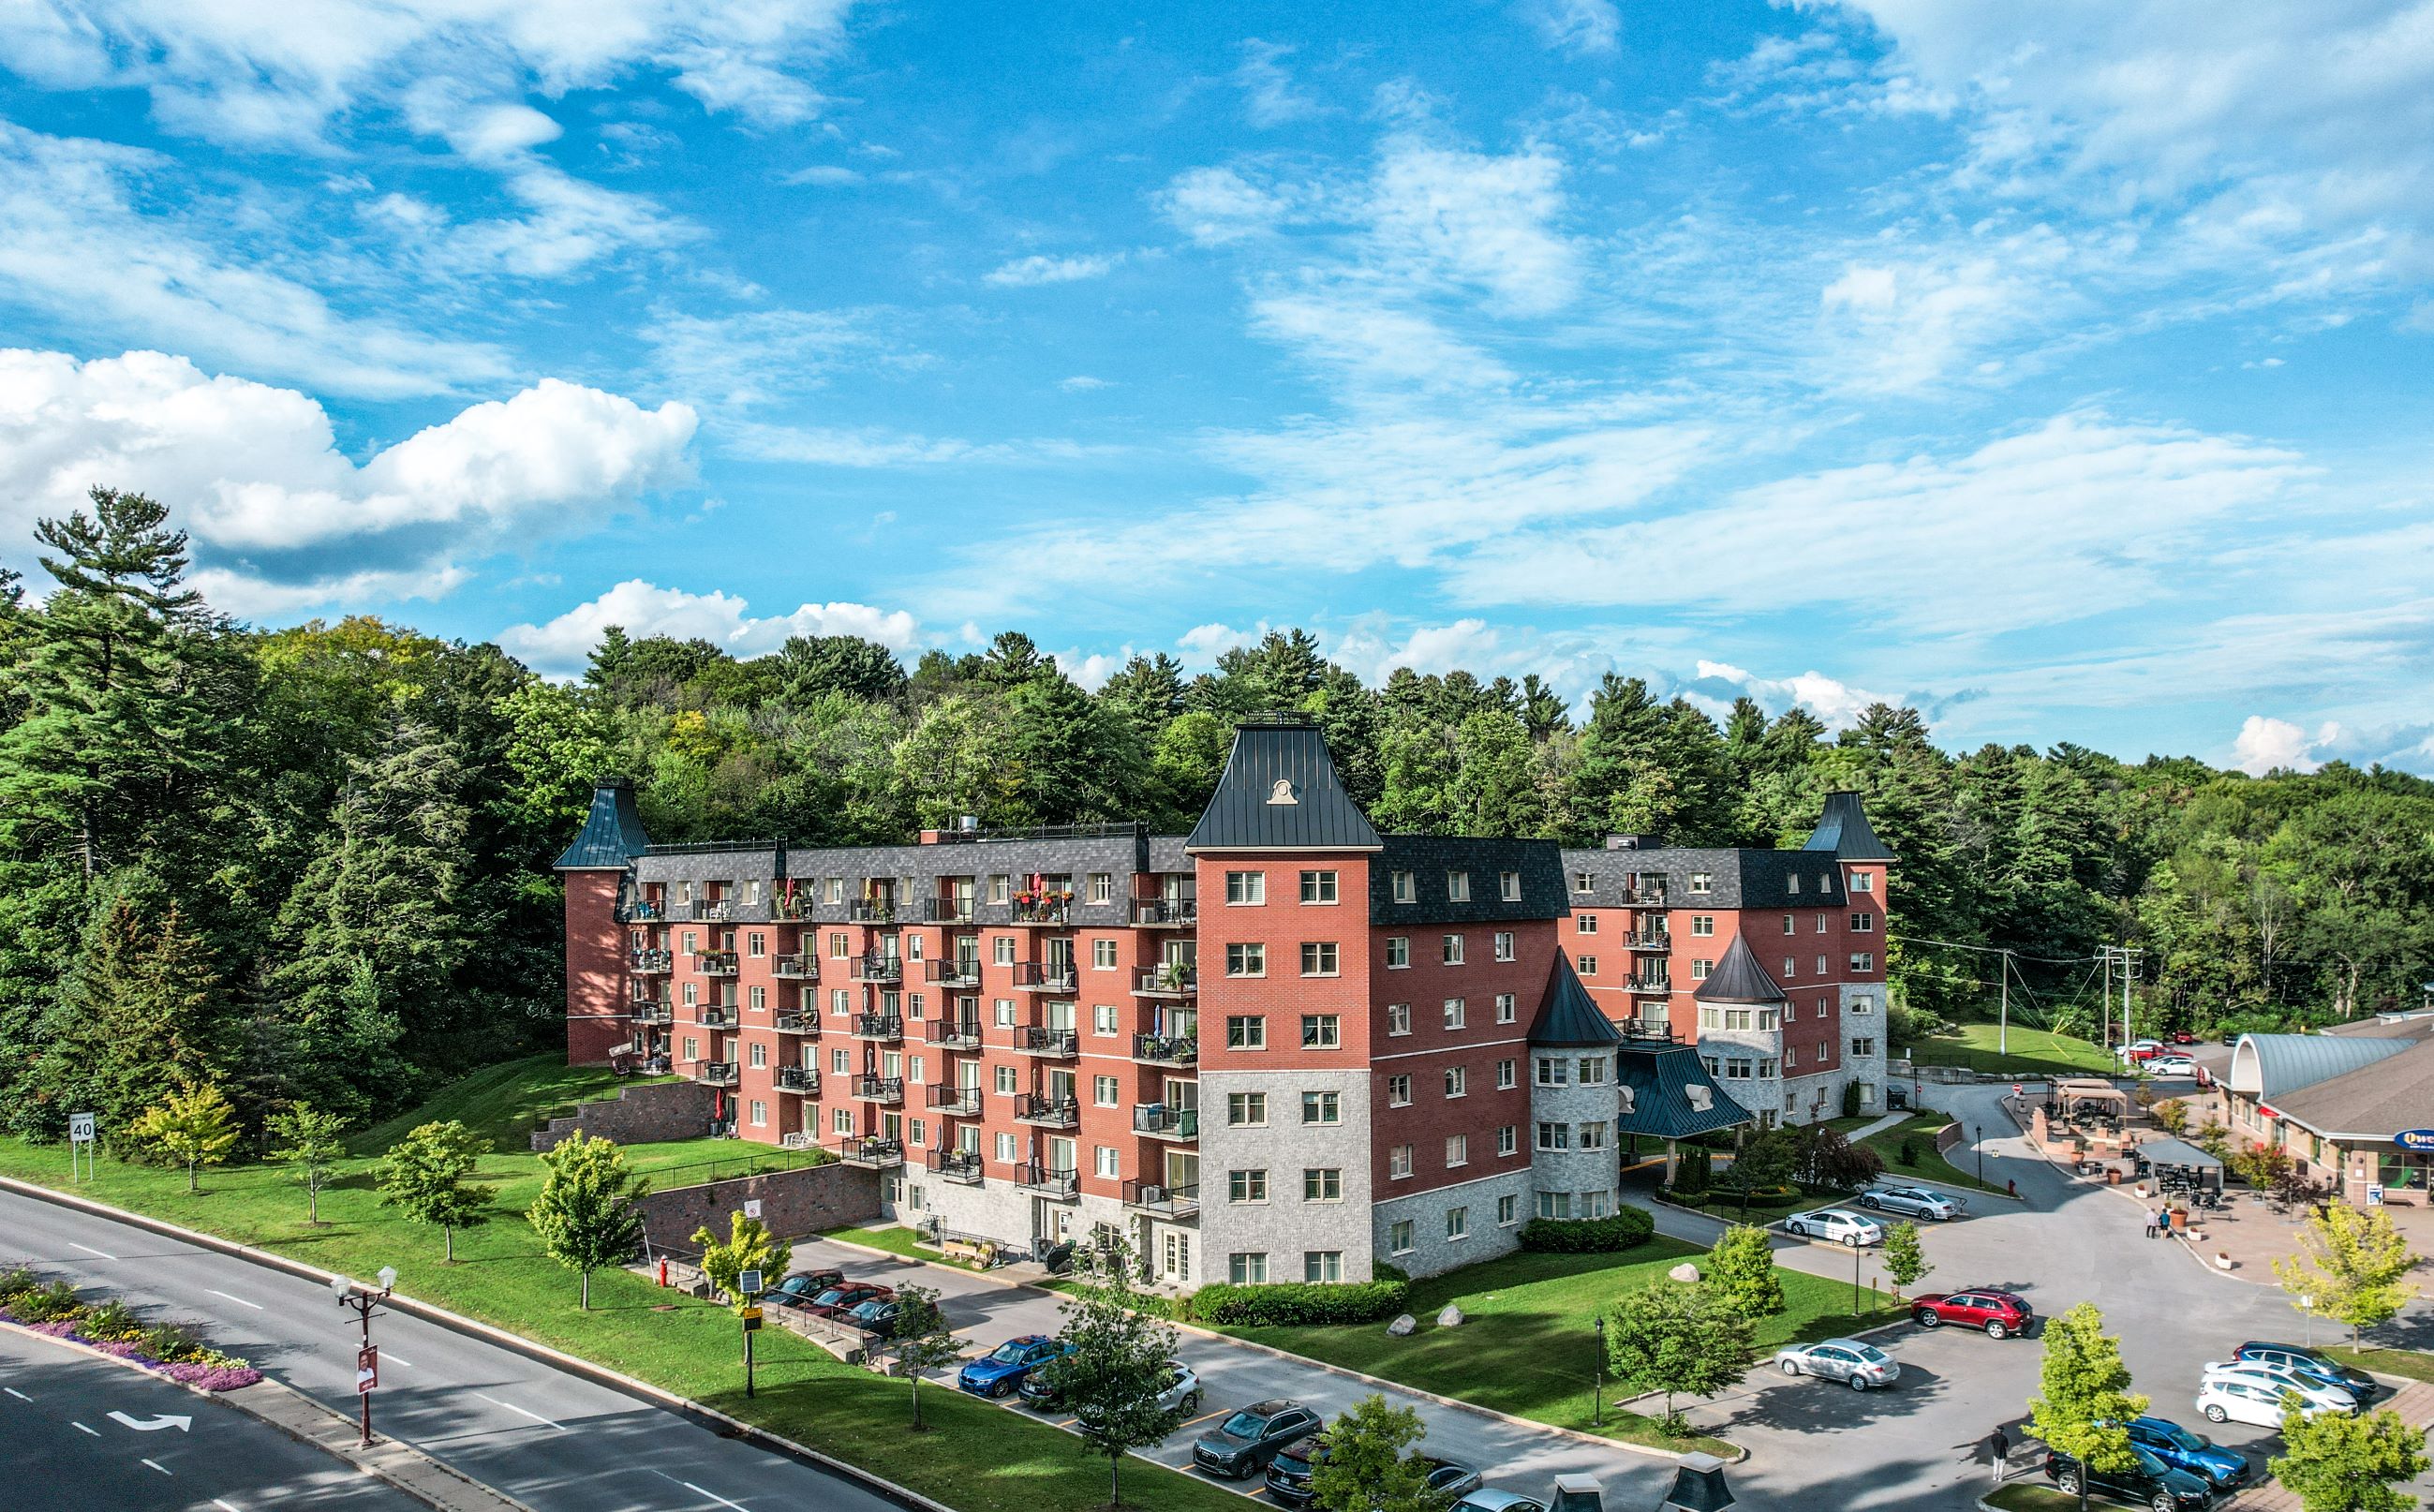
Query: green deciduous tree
point(1905, 1258)
point(2335, 1463)
point(1119, 1366)
point(748, 1246)
point(923, 1342)
point(1369, 1465)
point(2083, 1397)
point(309, 1140)
point(2351, 1267)
point(585, 1214)
point(1740, 1273)
point(1680, 1339)
point(425, 1175)
point(192, 1128)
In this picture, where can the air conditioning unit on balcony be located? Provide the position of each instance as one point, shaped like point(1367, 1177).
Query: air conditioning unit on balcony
point(1150, 1197)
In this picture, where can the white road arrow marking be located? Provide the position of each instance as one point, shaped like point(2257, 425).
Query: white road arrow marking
point(153, 1425)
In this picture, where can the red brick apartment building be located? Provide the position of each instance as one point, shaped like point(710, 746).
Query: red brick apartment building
point(1280, 1048)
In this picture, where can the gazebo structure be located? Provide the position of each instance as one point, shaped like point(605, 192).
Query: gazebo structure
point(2073, 1096)
point(2177, 1165)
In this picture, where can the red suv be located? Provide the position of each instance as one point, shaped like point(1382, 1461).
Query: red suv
point(838, 1300)
point(1998, 1315)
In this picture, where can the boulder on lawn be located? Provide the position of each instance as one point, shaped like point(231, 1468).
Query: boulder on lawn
point(1684, 1272)
point(1402, 1325)
point(1451, 1317)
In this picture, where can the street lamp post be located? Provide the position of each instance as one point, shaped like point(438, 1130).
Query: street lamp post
point(363, 1299)
point(1597, 1387)
point(1852, 1239)
point(1980, 1132)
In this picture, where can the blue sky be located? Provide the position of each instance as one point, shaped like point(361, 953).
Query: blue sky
point(2063, 369)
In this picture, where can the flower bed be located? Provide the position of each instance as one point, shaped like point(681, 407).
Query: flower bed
point(54, 1309)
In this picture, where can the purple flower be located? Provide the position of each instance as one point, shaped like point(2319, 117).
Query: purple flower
point(63, 1329)
point(212, 1377)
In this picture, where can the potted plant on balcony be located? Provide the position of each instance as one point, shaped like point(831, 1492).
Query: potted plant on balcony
point(1172, 975)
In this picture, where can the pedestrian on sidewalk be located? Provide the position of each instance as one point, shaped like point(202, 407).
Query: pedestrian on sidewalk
point(1998, 1450)
point(2150, 1223)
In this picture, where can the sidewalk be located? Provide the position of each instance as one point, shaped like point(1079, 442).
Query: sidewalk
point(402, 1466)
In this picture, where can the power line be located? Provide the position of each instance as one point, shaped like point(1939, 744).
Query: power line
point(1995, 950)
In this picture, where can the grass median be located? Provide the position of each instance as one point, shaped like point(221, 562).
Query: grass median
point(2025, 1051)
point(1924, 1161)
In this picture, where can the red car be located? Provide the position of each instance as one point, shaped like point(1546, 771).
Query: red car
point(838, 1300)
point(2182, 1037)
point(1998, 1315)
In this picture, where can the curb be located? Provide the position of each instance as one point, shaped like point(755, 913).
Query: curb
point(598, 1374)
point(231, 1399)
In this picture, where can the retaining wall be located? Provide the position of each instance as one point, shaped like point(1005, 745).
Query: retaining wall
point(650, 1113)
point(793, 1203)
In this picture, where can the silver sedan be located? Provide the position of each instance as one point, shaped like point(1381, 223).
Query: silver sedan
point(1863, 1367)
point(1917, 1202)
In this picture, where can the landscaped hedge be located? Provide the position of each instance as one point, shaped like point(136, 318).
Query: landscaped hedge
point(1282, 1304)
point(1587, 1236)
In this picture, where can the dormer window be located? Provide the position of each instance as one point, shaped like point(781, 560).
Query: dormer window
point(1508, 886)
point(1457, 887)
point(1791, 882)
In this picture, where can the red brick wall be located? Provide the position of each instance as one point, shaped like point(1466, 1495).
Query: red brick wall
point(1283, 995)
point(595, 968)
point(1426, 1053)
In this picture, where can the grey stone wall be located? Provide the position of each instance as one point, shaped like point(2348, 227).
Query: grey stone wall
point(1285, 1225)
point(1431, 1251)
point(793, 1204)
point(1573, 1170)
point(646, 1114)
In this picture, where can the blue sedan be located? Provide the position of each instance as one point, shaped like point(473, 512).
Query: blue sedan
point(1002, 1370)
point(2194, 1452)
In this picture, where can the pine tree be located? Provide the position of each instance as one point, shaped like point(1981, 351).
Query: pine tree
point(586, 1213)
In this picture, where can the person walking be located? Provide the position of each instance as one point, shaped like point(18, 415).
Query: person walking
point(1998, 1451)
point(2150, 1223)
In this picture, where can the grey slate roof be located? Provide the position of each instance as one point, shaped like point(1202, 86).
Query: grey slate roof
point(917, 870)
point(1566, 1014)
point(1735, 878)
point(1280, 792)
point(1429, 857)
point(611, 834)
point(1660, 1076)
point(1739, 978)
point(2373, 1102)
point(1844, 829)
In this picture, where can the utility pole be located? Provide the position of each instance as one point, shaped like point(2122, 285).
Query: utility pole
point(2003, 1024)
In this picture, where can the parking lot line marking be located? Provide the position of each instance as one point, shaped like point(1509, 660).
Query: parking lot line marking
point(94, 1432)
point(1202, 1419)
point(14, 1392)
point(89, 1250)
point(238, 1300)
point(158, 1466)
point(534, 1415)
point(713, 1496)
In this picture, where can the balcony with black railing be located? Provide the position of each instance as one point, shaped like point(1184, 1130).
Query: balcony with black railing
point(879, 969)
point(1045, 976)
point(1166, 1049)
point(946, 911)
point(714, 963)
point(650, 963)
point(1164, 1122)
point(871, 1150)
point(878, 1089)
point(955, 1165)
point(1062, 1186)
point(1165, 913)
point(642, 911)
point(955, 1034)
point(1655, 940)
point(805, 1023)
point(654, 1010)
point(714, 1015)
point(717, 1073)
point(870, 911)
point(801, 1079)
point(1168, 1202)
point(1652, 981)
point(1169, 979)
point(1031, 1039)
point(1046, 1112)
point(803, 966)
point(882, 1026)
point(952, 1101)
point(1052, 913)
point(954, 970)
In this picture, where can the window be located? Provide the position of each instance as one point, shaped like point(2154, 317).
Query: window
point(1004, 1013)
point(1004, 1145)
point(1105, 1092)
point(1399, 1019)
point(1322, 1183)
point(1103, 956)
point(1863, 961)
point(1105, 1020)
point(1790, 1061)
point(1864, 1047)
point(758, 1054)
point(1322, 1264)
point(841, 1063)
point(1457, 1222)
point(1703, 923)
point(1585, 923)
point(1554, 1136)
point(1702, 882)
point(1245, 1032)
point(1863, 924)
point(1821, 923)
point(1008, 1081)
point(1247, 1269)
point(1321, 1031)
point(1246, 1186)
point(1585, 965)
point(1508, 886)
point(1791, 966)
point(1505, 944)
point(1457, 887)
point(1700, 967)
point(1791, 882)
point(1321, 1108)
point(1002, 949)
point(1318, 886)
point(1453, 948)
point(1105, 1163)
point(1590, 1137)
point(1247, 887)
point(1103, 888)
point(1590, 1071)
point(1399, 952)
point(758, 997)
point(1398, 1092)
point(1820, 966)
point(1246, 1109)
point(1454, 1013)
point(1508, 1210)
point(1508, 1139)
point(840, 946)
point(1247, 959)
point(1506, 1006)
point(1508, 1074)
point(1554, 1204)
point(1583, 881)
point(1555, 1070)
point(1863, 881)
point(1457, 1080)
point(1405, 890)
point(999, 889)
point(1457, 1149)
point(1790, 925)
point(1318, 958)
point(1399, 1162)
point(756, 944)
point(1399, 1237)
point(1863, 1003)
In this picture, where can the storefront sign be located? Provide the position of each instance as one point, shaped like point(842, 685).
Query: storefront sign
point(2414, 1139)
point(2375, 1196)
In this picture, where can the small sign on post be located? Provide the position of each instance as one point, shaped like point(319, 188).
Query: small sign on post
point(367, 1369)
point(81, 1145)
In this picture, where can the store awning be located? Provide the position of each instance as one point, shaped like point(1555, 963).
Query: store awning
point(2182, 1153)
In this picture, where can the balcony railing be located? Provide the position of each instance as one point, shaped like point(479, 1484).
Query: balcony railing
point(717, 1073)
point(1160, 1121)
point(1051, 1112)
point(955, 970)
point(879, 1089)
point(1658, 942)
point(801, 966)
point(1166, 1049)
point(806, 1025)
point(701, 912)
point(1170, 980)
point(1644, 897)
point(878, 1026)
point(1052, 977)
point(1172, 1202)
point(1658, 983)
point(642, 911)
point(879, 969)
point(714, 963)
point(956, 1101)
point(1034, 1040)
point(955, 1165)
point(1064, 1186)
point(654, 1010)
point(1166, 913)
point(650, 963)
point(872, 1151)
point(799, 1079)
point(714, 1016)
point(955, 1034)
point(946, 911)
point(870, 911)
point(790, 908)
point(1054, 912)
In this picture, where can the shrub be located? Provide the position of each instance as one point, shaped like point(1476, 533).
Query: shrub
point(1587, 1236)
point(55, 1303)
point(1291, 1305)
point(15, 1282)
point(1850, 1099)
point(1908, 1153)
point(112, 1323)
point(172, 1345)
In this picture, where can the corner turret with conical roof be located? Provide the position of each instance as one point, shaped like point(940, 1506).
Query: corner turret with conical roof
point(612, 833)
point(597, 873)
point(1739, 978)
point(1567, 1017)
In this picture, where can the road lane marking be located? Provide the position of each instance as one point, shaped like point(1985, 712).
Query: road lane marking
point(715, 1495)
point(226, 1506)
point(94, 1432)
point(153, 1425)
point(534, 1415)
point(14, 1392)
point(89, 1250)
point(396, 1359)
point(162, 1469)
point(238, 1300)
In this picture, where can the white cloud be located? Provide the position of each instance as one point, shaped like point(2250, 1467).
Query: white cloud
point(1836, 703)
point(2264, 745)
point(1897, 327)
point(1082, 383)
point(1269, 98)
point(1575, 25)
point(561, 647)
point(756, 356)
point(1089, 670)
point(1214, 206)
point(1474, 219)
point(1350, 334)
point(823, 175)
point(1206, 643)
point(1024, 272)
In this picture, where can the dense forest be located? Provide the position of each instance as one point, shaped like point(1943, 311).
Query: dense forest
point(310, 864)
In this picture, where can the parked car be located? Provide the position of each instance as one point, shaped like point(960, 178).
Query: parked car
point(2194, 1452)
point(2182, 1037)
point(2313, 1363)
point(1996, 1315)
point(800, 1288)
point(1488, 1498)
point(842, 1299)
point(2143, 1050)
point(1249, 1437)
point(1002, 1371)
point(1862, 1365)
point(1288, 1480)
point(2149, 1482)
point(2171, 1066)
point(1450, 1477)
point(1915, 1202)
point(1839, 1225)
point(1182, 1392)
point(2239, 1398)
point(2276, 1378)
point(877, 1317)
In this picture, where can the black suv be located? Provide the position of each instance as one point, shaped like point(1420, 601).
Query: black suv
point(1250, 1437)
point(2148, 1483)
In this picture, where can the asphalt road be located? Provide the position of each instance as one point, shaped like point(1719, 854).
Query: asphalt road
point(79, 1434)
point(556, 1441)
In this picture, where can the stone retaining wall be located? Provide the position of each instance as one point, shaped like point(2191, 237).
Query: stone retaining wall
point(650, 1113)
point(793, 1204)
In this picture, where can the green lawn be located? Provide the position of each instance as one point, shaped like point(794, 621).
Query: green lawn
point(1528, 1348)
point(896, 1239)
point(2407, 1364)
point(981, 1458)
point(506, 1102)
point(2030, 1052)
point(1920, 1130)
point(2036, 1496)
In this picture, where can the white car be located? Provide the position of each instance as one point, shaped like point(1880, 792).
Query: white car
point(2236, 1400)
point(1860, 1365)
point(1839, 1225)
point(1917, 1202)
point(2171, 1066)
point(2274, 1379)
